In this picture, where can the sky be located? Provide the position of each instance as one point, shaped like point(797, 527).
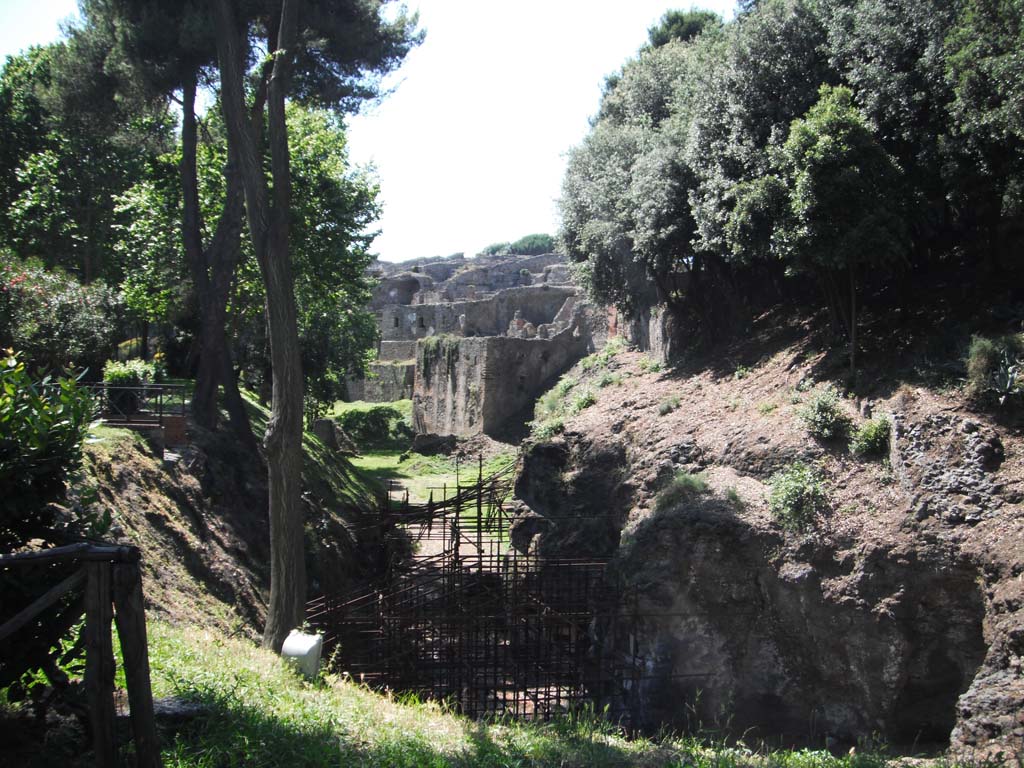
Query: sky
point(470, 145)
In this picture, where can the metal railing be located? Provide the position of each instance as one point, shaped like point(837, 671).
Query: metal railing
point(144, 404)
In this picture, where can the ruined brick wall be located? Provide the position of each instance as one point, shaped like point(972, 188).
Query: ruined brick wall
point(468, 386)
point(485, 317)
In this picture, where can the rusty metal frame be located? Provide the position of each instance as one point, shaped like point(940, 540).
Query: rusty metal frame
point(473, 622)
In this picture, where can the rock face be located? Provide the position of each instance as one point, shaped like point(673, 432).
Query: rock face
point(899, 615)
point(796, 641)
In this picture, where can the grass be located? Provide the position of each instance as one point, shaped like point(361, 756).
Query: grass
point(340, 408)
point(257, 712)
point(601, 359)
point(683, 487)
point(324, 473)
point(668, 405)
point(649, 365)
point(420, 475)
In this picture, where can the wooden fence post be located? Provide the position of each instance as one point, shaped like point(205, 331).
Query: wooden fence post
point(99, 661)
point(131, 629)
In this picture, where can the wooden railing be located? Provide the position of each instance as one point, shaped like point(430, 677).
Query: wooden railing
point(112, 582)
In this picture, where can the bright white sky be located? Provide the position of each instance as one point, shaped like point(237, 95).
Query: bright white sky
point(470, 148)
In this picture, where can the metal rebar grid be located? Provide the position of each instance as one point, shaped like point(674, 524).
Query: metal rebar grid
point(470, 620)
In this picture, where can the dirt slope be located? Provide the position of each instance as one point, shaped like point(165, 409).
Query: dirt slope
point(900, 614)
point(198, 513)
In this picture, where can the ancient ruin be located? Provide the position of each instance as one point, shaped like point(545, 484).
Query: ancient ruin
point(473, 341)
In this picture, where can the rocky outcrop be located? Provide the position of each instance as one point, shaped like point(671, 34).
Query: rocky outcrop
point(787, 639)
point(899, 616)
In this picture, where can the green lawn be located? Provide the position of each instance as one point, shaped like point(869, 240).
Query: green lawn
point(421, 475)
point(258, 712)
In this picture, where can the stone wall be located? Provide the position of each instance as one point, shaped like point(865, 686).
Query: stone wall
point(384, 383)
point(509, 273)
point(398, 289)
point(486, 317)
point(391, 351)
point(472, 385)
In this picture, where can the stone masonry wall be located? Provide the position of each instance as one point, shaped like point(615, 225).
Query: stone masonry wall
point(385, 383)
point(472, 385)
point(485, 317)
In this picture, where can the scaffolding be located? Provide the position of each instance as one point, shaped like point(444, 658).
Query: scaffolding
point(470, 620)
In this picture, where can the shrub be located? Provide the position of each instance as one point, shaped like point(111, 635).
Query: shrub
point(545, 430)
point(53, 320)
point(872, 438)
point(996, 366)
point(797, 497)
point(376, 427)
point(824, 416)
point(607, 379)
point(130, 373)
point(583, 401)
point(43, 427)
point(533, 245)
point(564, 386)
point(682, 487)
point(649, 365)
point(668, 405)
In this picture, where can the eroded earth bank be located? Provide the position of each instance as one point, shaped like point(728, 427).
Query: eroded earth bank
point(897, 616)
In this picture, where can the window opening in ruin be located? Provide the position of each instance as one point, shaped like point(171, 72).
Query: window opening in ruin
point(422, 324)
point(396, 322)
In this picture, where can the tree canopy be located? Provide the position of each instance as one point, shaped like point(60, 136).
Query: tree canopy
point(730, 164)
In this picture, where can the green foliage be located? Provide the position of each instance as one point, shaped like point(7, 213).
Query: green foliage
point(496, 249)
point(682, 488)
point(377, 426)
point(528, 245)
point(129, 373)
point(333, 208)
point(797, 497)
point(607, 379)
point(842, 204)
point(532, 245)
point(582, 401)
point(872, 437)
point(42, 428)
point(53, 320)
point(547, 429)
point(682, 26)
point(57, 107)
point(649, 365)
point(836, 141)
point(668, 405)
point(995, 366)
point(823, 415)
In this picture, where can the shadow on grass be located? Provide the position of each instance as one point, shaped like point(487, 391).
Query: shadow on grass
point(231, 733)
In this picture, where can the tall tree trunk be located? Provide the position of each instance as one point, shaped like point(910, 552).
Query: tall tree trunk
point(204, 395)
point(212, 269)
point(268, 214)
point(853, 323)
